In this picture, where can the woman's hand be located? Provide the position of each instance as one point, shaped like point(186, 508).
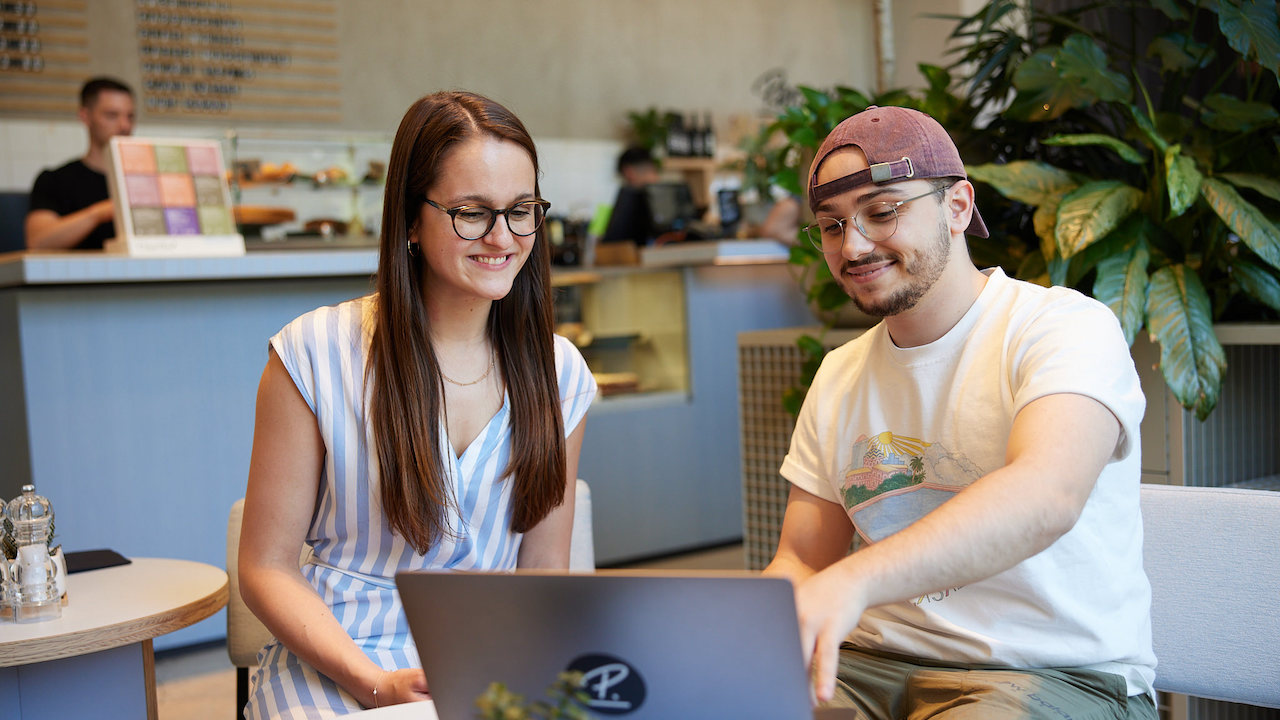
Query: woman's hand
point(400, 686)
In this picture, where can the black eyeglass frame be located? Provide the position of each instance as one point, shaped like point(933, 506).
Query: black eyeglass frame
point(493, 216)
point(817, 242)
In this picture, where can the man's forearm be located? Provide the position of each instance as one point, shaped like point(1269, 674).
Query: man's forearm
point(47, 231)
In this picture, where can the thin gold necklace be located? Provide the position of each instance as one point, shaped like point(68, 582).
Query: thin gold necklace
point(473, 382)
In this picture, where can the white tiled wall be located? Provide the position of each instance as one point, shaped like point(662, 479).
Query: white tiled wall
point(32, 145)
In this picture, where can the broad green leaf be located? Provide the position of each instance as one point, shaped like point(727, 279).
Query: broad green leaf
point(894, 97)
point(809, 345)
point(803, 136)
point(1084, 262)
point(1083, 63)
point(1091, 211)
point(1225, 112)
point(1033, 269)
point(937, 77)
point(1268, 186)
point(815, 98)
point(1246, 221)
point(802, 254)
point(830, 296)
point(1252, 28)
point(1120, 147)
point(1179, 53)
point(788, 179)
point(1170, 8)
point(1028, 181)
point(1122, 285)
point(1183, 180)
point(1179, 318)
point(1041, 95)
point(1054, 80)
point(792, 400)
point(1148, 128)
point(1058, 269)
point(1258, 282)
point(1045, 220)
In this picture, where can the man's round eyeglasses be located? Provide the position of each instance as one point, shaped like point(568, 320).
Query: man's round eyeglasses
point(877, 222)
point(472, 222)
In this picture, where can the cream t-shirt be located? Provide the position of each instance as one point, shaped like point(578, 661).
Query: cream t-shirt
point(891, 433)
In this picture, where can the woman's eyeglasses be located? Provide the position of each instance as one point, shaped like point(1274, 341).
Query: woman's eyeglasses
point(472, 222)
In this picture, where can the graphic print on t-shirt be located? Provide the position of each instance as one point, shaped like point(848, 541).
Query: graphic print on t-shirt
point(894, 480)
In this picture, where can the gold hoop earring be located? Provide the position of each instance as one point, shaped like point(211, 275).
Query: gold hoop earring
point(412, 247)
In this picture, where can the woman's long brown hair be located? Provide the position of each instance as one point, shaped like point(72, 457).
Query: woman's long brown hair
point(403, 376)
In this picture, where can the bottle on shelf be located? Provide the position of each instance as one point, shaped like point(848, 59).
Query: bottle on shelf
point(695, 137)
point(708, 137)
point(677, 137)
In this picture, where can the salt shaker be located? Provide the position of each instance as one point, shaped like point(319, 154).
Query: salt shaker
point(33, 574)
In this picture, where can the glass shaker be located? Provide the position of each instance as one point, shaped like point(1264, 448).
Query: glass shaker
point(33, 573)
point(6, 606)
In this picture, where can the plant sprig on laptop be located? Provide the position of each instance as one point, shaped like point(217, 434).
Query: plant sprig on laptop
point(568, 702)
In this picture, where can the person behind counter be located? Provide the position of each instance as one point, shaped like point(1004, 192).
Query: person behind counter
point(70, 206)
point(436, 423)
point(637, 167)
point(982, 441)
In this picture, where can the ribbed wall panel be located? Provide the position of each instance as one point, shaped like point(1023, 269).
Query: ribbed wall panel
point(1201, 709)
point(1241, 438)
point(764, 372)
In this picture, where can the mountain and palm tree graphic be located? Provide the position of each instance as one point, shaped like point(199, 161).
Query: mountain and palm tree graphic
point(893, 480)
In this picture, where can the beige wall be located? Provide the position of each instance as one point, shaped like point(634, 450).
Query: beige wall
point(918, 38)
point(573, 68)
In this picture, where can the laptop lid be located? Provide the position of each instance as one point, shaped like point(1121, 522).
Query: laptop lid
point(650, 645)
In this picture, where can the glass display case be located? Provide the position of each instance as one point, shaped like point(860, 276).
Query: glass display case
point(629, 326)
point(325, 186)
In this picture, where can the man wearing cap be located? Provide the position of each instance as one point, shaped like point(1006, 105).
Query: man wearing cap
point(981, 443)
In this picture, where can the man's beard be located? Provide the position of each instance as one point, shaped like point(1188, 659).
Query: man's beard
point(922, 273)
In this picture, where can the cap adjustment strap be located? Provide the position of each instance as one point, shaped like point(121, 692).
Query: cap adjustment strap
point(877, 173)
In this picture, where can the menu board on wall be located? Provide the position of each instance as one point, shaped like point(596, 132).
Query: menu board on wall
point(43, 55)
point(171, 198)
point(271, 61)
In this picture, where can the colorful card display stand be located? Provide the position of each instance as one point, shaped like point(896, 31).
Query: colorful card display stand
point(171, 199)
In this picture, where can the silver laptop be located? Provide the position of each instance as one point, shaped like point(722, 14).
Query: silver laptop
point(651, 646)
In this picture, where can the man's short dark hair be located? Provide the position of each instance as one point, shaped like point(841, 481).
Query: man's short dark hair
point(95, 86)
point(633, 156)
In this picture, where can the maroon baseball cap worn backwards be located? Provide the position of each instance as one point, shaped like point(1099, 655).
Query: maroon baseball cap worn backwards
point(900, 144)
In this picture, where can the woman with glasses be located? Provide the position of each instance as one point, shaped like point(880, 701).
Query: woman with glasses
point(433, 424)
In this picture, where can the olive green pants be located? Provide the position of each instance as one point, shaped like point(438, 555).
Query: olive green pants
point(881, 686)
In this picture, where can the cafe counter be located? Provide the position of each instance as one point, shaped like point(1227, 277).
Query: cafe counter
point(130, 384)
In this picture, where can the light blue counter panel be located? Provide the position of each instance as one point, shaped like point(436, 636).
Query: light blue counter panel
point(666, 471)
point(139, 402)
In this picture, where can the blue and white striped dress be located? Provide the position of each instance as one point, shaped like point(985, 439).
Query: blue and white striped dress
point(355, 553)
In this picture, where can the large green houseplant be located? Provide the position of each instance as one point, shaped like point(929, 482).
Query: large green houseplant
point(1136, 165)
point(1163, 198)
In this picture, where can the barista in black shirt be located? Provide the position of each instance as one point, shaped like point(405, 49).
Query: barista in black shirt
point(70, 206)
